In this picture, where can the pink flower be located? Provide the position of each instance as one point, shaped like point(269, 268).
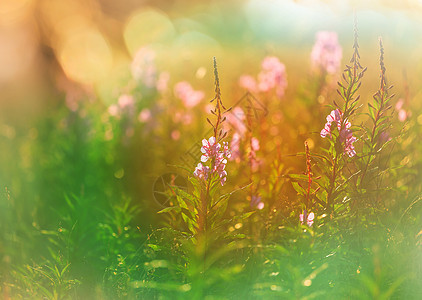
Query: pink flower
point(309, 220)
point(254, 144)
point(201, 171)
point(126, 101)
point(273, 75)
point(346, 135)
point(175, 135)
point(402, 115)
point(326, 53)
point(190, 98)
point(125, 104)
point(348, 144)
point(217, 156)
point(209, 149)
point(334, 116)
point(144, 115)
point(143, 67)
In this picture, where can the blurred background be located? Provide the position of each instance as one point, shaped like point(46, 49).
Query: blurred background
point(76, 47)
point(83, 130)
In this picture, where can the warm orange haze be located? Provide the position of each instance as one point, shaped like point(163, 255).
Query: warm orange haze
point(210, 149)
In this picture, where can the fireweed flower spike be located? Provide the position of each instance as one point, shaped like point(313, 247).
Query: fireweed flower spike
point(346, 135)
point(212, 152)
point(271, 77)
point(190, 98)
point(216, 154)
point(326, 53)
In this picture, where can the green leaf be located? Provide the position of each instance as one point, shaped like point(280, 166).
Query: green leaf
point(298, 176)
point(170, 208)
point(300, 190)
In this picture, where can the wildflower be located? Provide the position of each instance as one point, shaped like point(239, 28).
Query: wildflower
point(144, 115)
point(201, 171)
point(254, 144)
point(216, 154)
point(309, 219)
point(256, 202)
point(273, 75)
point(126, 102)
point(326, 53)
point(175, 135)
point(346, 135)
point(209, 149)
point(348, 145)
point(226, 151)
point(190, 98)
point(334, 116)
point(143, 67)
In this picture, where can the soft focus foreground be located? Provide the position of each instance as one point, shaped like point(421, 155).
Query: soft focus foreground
point(244, 149)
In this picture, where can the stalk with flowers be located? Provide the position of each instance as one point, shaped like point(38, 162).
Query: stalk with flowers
point(211, 170)
point(342, 140)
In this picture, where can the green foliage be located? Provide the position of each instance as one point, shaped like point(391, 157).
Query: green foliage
point(78, 218)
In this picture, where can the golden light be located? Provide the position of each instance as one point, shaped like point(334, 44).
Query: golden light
point(147, 26)
point(86, 56)
point(13, 11)
point(18, 47)
point(196, 44)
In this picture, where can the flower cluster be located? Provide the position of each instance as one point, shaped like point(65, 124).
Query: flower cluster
point(326, 53)
point(334, 116)
point(272, 76)
point(346, 135)
point(348, 139)
point(309, 219)
point(190, 98)
point(217, 155)
point(125, 104)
